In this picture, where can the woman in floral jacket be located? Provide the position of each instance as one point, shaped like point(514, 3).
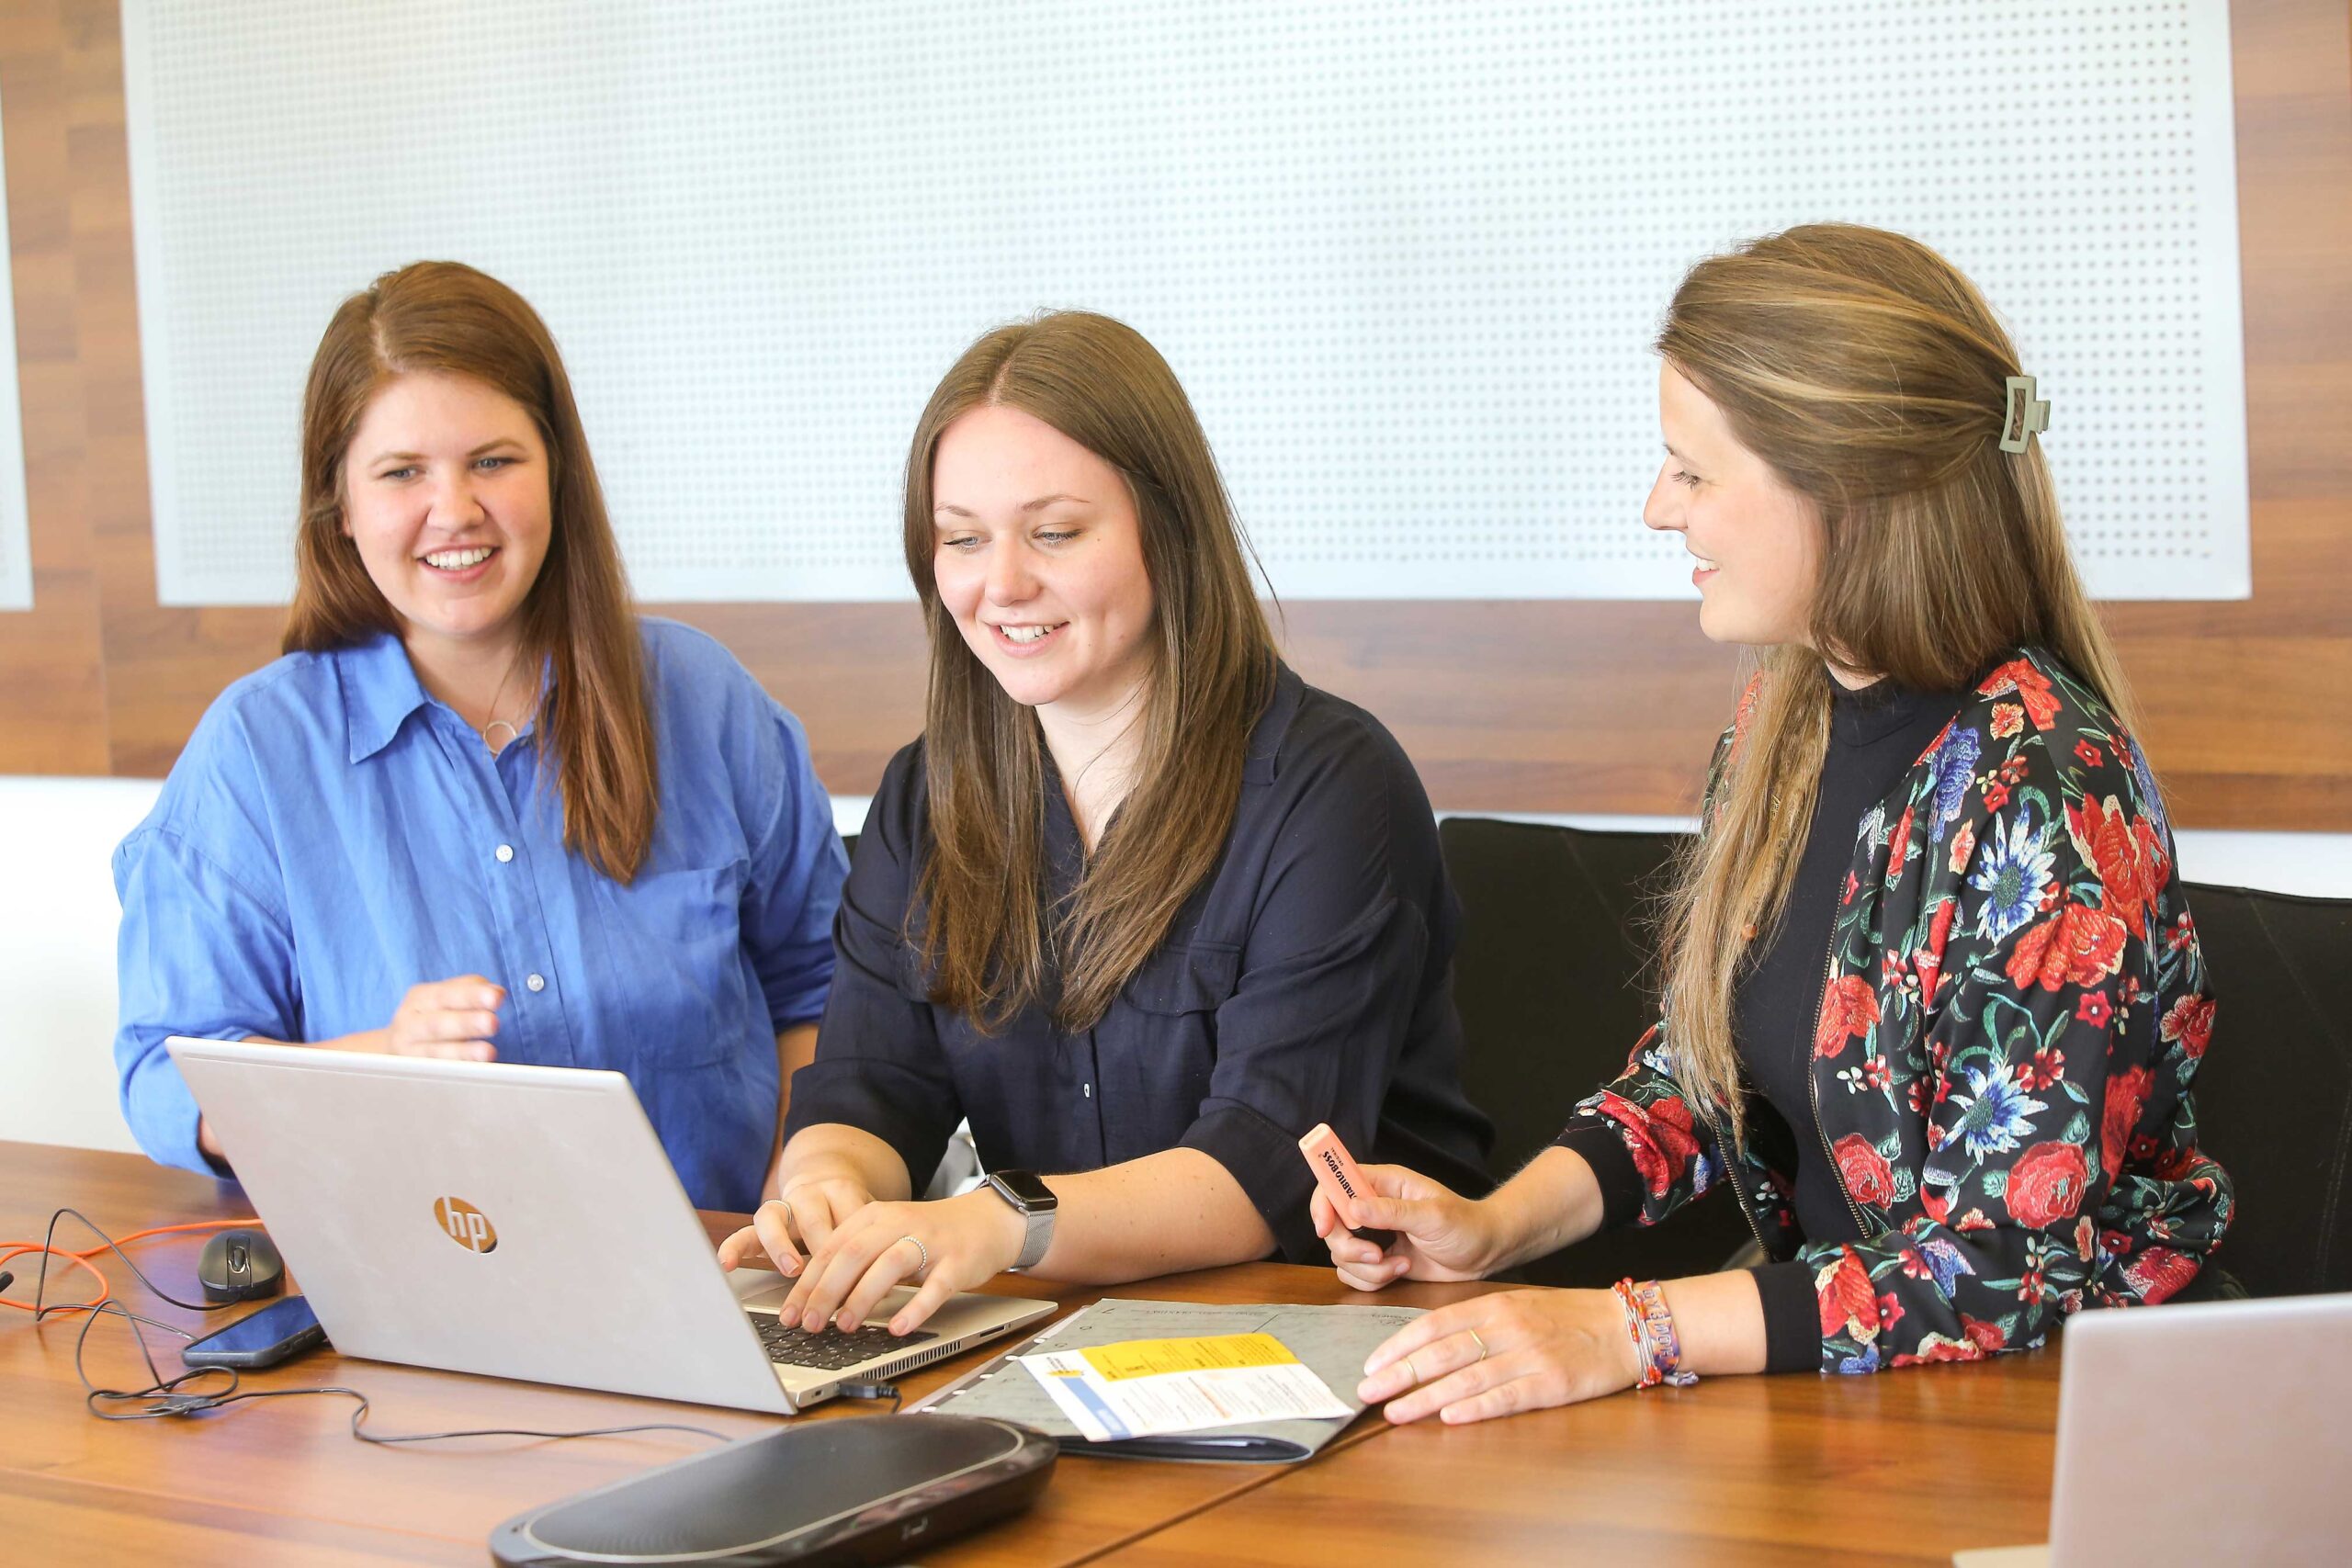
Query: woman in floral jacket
point(1933, 1001)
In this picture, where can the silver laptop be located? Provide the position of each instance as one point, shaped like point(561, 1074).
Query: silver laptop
point(2210, 1432)
point(524, 1223)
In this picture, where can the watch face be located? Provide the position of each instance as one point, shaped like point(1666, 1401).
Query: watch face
point(1023, 1187)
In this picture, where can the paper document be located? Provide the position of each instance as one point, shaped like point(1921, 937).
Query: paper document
point(1329, 1341)
point(1141, 1388)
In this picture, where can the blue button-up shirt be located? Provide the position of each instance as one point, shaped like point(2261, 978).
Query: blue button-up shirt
point(332, 836)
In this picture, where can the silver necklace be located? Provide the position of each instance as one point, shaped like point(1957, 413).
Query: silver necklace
point(512, 732)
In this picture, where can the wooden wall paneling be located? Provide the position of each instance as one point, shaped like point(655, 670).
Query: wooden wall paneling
point(1532, 706)
point(53, 684)
point(854, 674)
point(2248, 705)
point(1543, 705)
point(164, 665)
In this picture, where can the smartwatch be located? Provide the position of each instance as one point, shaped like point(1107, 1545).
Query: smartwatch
point(1035, 1203)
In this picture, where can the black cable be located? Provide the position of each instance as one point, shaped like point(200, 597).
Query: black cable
point(165, 1398)
point(171, 1402)
point(42, 1281)
point(360, 1413)
point(857, 1389)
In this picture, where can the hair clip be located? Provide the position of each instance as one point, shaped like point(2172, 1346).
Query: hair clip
point(2023, 414)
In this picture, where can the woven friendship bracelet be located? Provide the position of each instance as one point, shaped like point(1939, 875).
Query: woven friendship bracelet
point(1651, 1326)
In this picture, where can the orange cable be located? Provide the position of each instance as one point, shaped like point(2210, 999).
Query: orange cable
point(82, 1259)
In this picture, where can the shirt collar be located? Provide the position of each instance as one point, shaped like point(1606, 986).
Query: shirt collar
point(1266, 735)
point(1066, 858)
point(380, 691)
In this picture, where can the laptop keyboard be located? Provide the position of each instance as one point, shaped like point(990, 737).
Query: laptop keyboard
point(830, 1350)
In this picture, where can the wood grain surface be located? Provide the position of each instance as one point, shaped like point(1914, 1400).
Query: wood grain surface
point(286, 1481)
point(1904, 1467)
point(1546, 706)
point(1736, 1470)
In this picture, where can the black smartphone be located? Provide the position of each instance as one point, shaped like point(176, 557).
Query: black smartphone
point(283, 1329)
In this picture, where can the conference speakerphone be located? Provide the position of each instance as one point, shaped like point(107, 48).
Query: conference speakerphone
point(881, 1489)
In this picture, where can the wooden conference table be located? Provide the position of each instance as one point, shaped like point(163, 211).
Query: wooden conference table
point(1910, 1465)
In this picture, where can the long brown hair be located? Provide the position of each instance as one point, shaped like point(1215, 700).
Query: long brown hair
point(444, 317)
point(1871, 377)
point(985, 930)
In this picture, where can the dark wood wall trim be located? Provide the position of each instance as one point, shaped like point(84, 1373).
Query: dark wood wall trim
point(1535, 707)
point(53, 715)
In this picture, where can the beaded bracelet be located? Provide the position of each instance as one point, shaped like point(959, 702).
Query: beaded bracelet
point(1651, 1326)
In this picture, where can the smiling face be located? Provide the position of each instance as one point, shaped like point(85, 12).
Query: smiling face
point(1758, 542)
point(445, 493)
point(1038, 556)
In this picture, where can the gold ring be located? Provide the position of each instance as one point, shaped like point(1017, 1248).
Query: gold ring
point(1412, 1371)
point(1480, 1343)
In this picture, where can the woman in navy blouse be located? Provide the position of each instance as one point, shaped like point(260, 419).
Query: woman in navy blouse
point(1140, 904)
point(481, 808)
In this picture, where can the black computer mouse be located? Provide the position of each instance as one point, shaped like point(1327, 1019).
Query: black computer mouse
point(239, 1266)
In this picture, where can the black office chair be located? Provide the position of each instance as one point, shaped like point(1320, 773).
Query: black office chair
point(2274, 1097)
point(1549, 981)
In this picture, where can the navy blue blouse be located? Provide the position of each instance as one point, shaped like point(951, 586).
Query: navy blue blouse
point(1308, 979)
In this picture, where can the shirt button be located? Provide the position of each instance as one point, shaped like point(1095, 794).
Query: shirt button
point(536, 982)
point(505, 852)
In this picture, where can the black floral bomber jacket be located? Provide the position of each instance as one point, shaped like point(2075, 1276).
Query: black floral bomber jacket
point(2013, 1009)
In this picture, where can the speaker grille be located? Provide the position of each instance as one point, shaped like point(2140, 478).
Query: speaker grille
point(736, 1497)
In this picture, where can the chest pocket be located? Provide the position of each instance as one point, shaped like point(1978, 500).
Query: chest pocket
point(1164, 1050)
point(673, 985)
point(1196, 977)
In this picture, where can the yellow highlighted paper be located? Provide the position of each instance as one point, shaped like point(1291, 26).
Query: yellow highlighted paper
point(1152, 1357)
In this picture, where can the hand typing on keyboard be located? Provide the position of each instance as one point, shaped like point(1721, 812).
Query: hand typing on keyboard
point(830, 1350)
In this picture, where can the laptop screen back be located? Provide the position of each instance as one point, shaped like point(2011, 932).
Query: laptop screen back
point(519, 1222)
point(2208, 1433)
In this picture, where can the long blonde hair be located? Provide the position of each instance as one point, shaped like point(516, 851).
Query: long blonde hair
point(1871, 377)
point(986, 931)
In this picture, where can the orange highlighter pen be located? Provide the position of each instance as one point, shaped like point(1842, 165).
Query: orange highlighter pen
point(1336, 1173)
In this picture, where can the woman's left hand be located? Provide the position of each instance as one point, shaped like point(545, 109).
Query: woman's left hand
point(964, 1242)
point(1497, 1355)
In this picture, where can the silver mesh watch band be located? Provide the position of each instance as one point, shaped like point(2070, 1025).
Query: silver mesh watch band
point(1037, 1238)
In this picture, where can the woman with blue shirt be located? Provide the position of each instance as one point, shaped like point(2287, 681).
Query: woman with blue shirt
point(481, 809)
point(1140, 904)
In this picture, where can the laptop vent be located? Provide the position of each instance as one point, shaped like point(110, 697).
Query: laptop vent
point(908, 1362)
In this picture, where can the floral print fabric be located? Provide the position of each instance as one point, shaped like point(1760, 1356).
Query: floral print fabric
point(2014, 1009)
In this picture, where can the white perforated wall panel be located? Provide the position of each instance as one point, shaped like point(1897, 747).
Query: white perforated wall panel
point(1406, 258)
point(16, 523)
